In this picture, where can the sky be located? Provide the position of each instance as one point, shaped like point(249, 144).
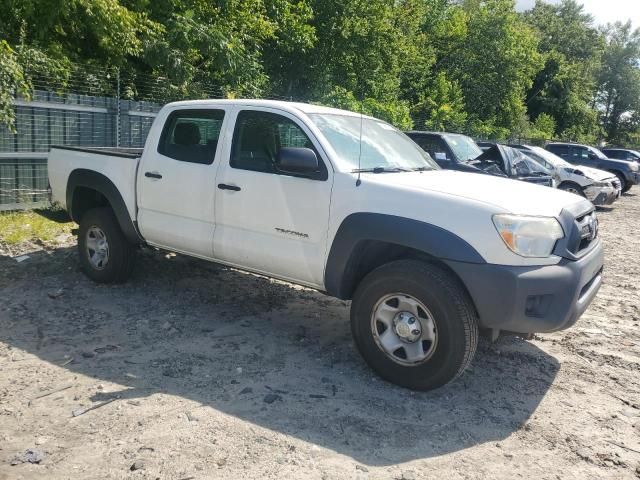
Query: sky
point(604, 11)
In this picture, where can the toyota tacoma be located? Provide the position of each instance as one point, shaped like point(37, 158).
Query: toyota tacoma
point(348, 205)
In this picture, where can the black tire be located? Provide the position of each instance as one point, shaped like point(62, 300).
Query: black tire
point(453, 315)
point(625, 186)
point(118, 266)
point(572, 188)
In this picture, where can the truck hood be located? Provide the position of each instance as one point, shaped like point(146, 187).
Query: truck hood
point(512, 196)
point(592, 173)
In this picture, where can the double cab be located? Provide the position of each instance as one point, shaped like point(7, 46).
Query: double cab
point(348, 205)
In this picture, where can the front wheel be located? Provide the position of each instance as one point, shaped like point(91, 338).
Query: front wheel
point(105, 254)
point(572, 188)
point(414, 324)
point(623, 182)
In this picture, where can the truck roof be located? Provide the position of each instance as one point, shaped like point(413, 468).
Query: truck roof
point(281, 104)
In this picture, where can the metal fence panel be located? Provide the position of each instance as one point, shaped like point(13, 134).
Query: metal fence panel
point(63, 119)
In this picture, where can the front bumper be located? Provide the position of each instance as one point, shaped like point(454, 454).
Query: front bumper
point(602, 195)
point(633, 178)
point(533, 299)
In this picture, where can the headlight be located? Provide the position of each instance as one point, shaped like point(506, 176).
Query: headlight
point(528, 236)
point(634, 166)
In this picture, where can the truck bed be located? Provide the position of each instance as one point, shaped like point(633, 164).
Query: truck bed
point(118, 166)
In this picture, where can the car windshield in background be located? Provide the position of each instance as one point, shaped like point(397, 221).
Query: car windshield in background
point(463, 147)
point(552, 158)
point(384, 148)
point(523, 165)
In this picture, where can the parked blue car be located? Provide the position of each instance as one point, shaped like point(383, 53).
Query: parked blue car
point(627, 172)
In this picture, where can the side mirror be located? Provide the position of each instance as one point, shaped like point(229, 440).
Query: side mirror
point(297, 160)
point(440, 156)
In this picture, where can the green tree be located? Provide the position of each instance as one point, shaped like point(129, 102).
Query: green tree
point(564, 88)
point(619, 81)
point(12, 83)
point(544, 127)
point(396, 112)
point(440, 105)
point(496, 63)
point(434, 31)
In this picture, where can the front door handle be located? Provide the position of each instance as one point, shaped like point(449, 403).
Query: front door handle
point(224, 186)
point(152, 175)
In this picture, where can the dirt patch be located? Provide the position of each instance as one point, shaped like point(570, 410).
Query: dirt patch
point(199, 371)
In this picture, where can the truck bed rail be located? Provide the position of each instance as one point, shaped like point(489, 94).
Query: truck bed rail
point(112, 151)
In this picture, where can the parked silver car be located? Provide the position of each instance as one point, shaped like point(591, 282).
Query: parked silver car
point(598, 186)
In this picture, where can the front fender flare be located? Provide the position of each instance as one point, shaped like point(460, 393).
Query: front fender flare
point(360, 227)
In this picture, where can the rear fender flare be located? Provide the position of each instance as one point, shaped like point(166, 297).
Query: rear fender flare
point(101, 184)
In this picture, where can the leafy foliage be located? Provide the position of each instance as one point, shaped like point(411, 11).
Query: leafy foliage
point(619, 82)
point(467, 65)
point(12, 83)
point(564, 88)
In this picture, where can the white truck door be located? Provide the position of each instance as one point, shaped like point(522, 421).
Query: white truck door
point(176, 181)
point(266, 220)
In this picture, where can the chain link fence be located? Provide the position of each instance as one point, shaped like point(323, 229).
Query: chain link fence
point(74, 119)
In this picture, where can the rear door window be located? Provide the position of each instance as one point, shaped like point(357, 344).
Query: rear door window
point(560, 150)
point(579, 154)
point(432, 145)
point(191, 135)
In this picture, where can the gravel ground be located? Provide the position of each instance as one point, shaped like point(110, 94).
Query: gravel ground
point(196, 371)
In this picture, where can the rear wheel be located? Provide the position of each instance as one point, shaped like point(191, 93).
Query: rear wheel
point(105, 254)
point(572, 188)
point(414, 324)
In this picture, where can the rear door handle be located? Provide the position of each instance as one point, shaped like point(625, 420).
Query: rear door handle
point(152, 175)
point(224, 186)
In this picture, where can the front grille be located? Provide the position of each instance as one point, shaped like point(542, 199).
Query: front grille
point(587, 231)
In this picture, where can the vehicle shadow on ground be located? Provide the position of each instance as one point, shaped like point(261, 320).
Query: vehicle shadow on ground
point(231, 340)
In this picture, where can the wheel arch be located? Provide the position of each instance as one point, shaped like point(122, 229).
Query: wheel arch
point(87, 189)
point(619, 173)
point(566, 183)
point(366, 241)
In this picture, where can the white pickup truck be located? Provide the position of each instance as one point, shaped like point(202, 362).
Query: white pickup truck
point(348, 205)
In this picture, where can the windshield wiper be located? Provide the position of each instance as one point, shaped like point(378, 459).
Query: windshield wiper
point(421, 169)
point(379, 170)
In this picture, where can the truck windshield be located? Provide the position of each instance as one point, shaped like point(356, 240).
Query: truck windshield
point(383, 146)
point(464, 148)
